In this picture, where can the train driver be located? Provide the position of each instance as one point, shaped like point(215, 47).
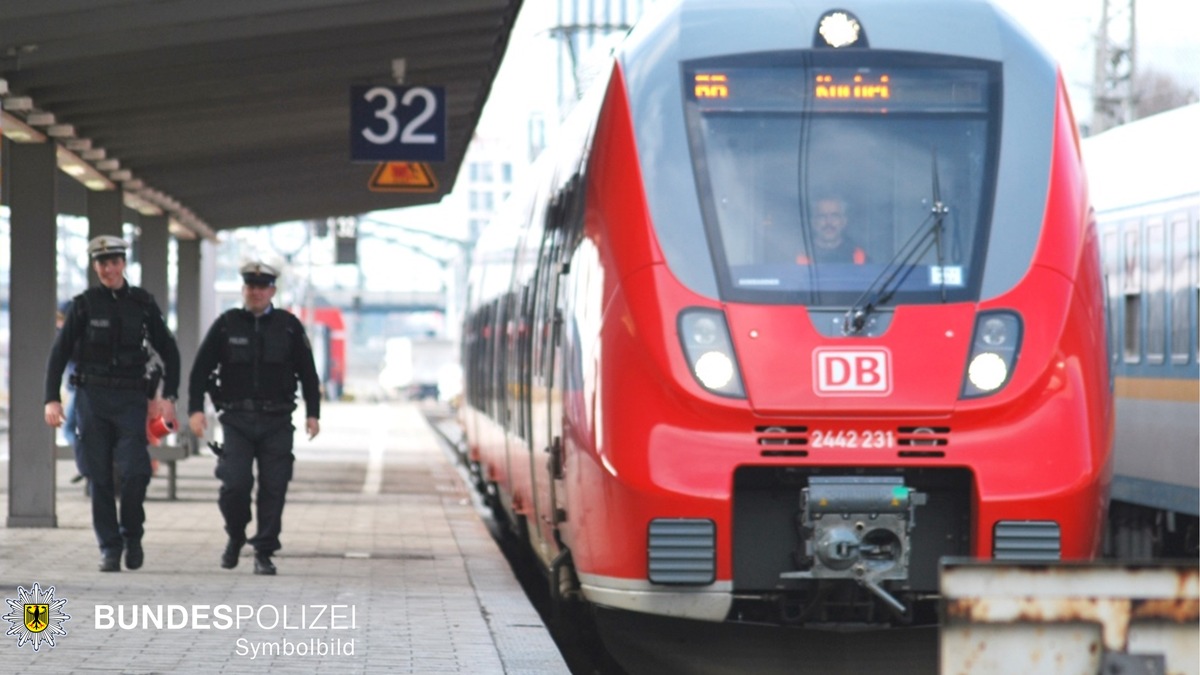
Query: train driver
point(830, 243)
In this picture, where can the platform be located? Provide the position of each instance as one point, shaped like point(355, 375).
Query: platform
point(386, 567)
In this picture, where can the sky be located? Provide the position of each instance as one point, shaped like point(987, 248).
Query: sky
point(1166, 38)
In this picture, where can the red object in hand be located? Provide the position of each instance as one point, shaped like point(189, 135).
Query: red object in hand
point(156, 428)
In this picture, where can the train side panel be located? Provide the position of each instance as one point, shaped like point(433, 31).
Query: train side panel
point(1148, 208)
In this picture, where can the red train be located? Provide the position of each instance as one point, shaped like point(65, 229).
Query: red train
point(805, 300)
point(328, 338)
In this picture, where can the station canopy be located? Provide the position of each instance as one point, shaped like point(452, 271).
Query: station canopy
point(230, 113)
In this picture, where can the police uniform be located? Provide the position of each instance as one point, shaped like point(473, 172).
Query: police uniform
point(106, 332)
point(249, 364)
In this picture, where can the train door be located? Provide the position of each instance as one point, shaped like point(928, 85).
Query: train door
point(541, 386)
point(546, 440)
point(501, 403)
point(518, 486)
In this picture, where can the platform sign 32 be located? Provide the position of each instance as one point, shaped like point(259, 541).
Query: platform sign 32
point(397, 123)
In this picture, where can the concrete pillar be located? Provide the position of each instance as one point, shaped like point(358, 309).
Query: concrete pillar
point(106, 215)
point(33, 299)
point(152, 252)
point(188, 327)
point(210, 308)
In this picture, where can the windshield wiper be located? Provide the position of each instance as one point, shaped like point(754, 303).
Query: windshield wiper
point(939, 211)
point(893, 274)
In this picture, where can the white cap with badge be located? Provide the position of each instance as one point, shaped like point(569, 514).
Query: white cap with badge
point(259, 273)
point(107, 245)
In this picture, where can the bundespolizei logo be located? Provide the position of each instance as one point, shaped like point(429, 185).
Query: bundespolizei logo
point(36, 616)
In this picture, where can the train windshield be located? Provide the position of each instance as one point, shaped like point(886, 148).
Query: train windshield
point(827, 176)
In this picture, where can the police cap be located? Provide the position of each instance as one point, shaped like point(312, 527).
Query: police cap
point(107, 246)
point(259, 273)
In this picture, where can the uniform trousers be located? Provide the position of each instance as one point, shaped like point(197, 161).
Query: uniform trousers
point(265, 438)
point(112, 428)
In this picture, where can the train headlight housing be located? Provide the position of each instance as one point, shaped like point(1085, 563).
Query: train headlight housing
point(709, 351)
point(994, 350)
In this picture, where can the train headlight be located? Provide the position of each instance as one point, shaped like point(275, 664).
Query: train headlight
point(714, 370)
point(709, 351)
point(993, 353)
point(705, 331)
point(993, 331)
point(987, 371)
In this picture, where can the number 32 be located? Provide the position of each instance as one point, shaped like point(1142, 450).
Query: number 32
point(387, 113)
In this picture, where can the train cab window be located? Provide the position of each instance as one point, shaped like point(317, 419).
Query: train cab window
point(1132, 289)
point(1183, 286)
point(822, 173)
point(1156, 292)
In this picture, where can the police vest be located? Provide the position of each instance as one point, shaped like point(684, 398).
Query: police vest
point(113, 342)
point(256, 357)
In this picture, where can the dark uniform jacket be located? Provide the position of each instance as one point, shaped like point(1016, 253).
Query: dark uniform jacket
point(252, 364)
point(105, 332)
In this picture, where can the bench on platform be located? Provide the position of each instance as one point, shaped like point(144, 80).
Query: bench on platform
point(185, 446)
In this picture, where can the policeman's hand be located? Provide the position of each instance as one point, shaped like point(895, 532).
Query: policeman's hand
point(54, 414)
point(313, 427)
point(167, 410)
point(198, 422)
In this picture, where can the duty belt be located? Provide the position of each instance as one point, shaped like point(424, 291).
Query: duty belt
point(114, 382)
point(254, 405)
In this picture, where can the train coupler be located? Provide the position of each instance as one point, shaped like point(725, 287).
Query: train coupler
point(857, 528)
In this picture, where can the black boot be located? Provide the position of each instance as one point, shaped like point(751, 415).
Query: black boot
point(263, 564)
point(134, 555)
point(229, 559)
point(110, 561)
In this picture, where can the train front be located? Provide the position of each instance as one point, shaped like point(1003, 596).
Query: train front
point(866, 328)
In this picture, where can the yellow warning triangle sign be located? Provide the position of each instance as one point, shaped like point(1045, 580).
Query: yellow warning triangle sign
point(403, 177)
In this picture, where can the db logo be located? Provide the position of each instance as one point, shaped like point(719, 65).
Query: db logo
point(852, 372)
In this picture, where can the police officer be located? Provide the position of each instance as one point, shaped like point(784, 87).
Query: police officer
point(249, 363)
point(106, 331)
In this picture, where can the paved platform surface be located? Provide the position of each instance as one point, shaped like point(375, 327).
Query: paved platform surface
point(386, 567)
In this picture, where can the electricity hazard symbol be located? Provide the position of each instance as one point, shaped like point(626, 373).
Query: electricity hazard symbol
point(403, 177)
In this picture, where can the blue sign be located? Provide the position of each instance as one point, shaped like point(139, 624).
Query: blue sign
point(397, 124)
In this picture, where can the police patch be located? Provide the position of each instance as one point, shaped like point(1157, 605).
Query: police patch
point(36, 616)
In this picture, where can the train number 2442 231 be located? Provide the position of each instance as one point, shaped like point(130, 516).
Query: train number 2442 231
point(852, 438)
